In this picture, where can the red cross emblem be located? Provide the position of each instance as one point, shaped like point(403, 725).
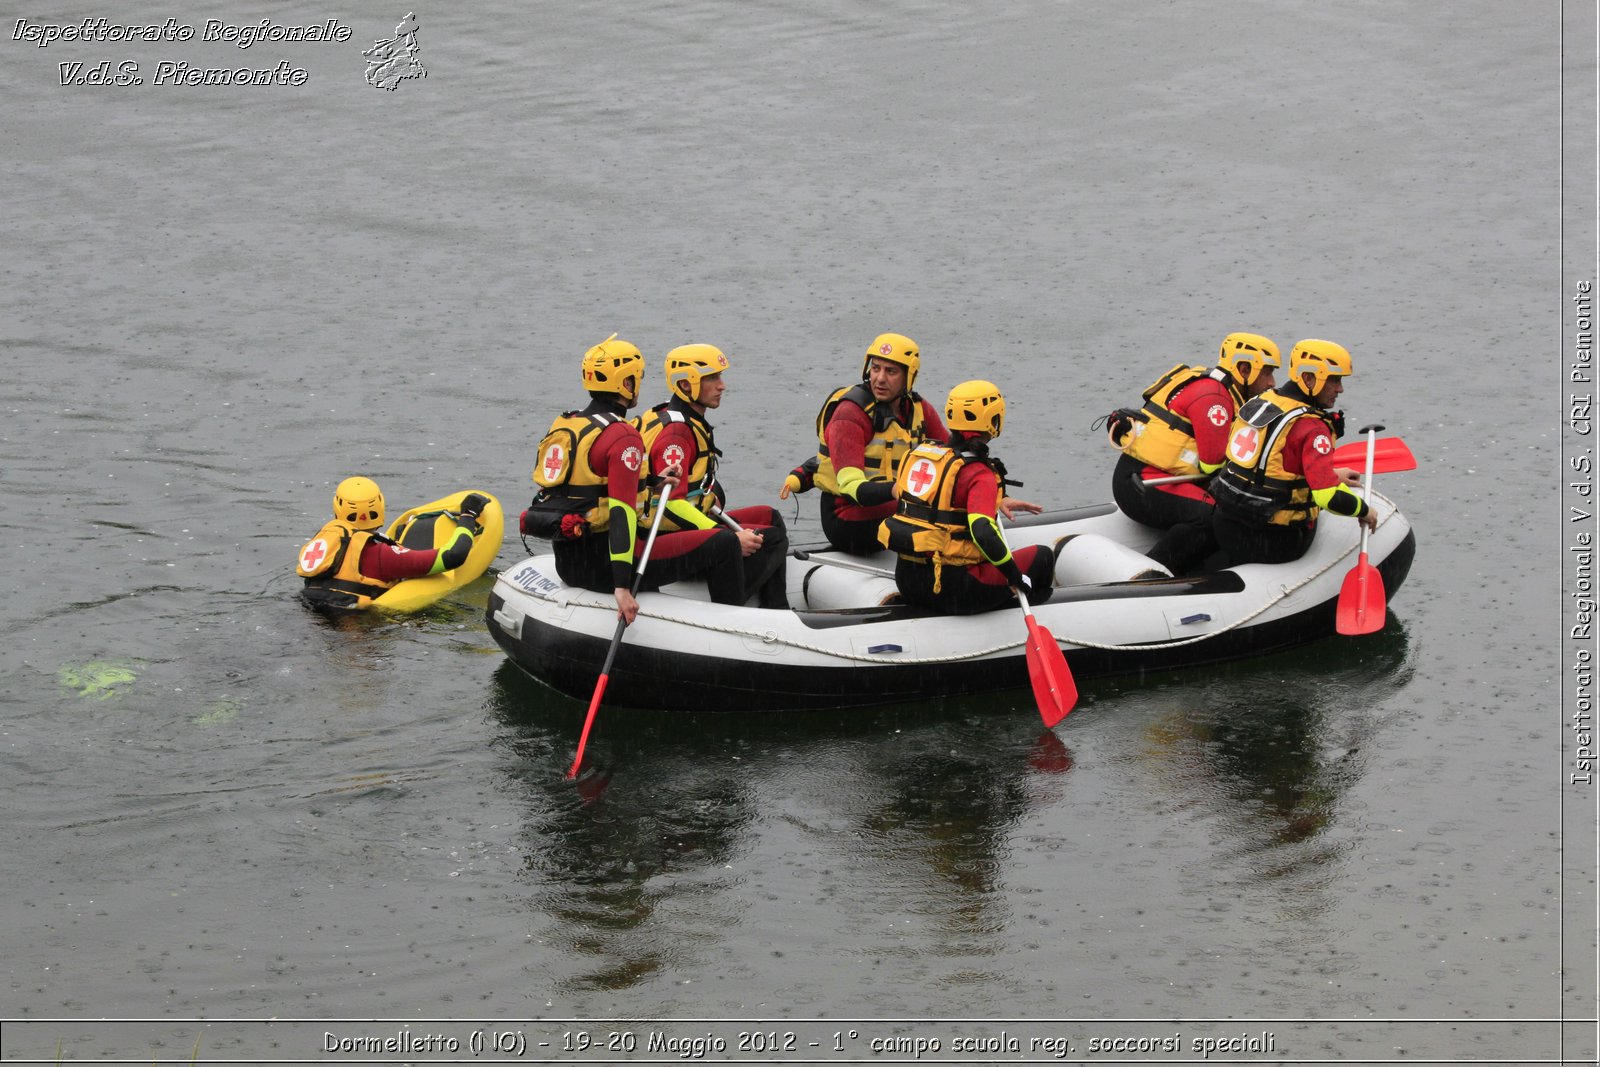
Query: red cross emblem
point(886, 349)
point(314, 554)
point(920, 476)
point(1218, 415)
point(554, 460)
point(673, 454)
point(1244, 444)
point(632, 457)
point(1322, 444)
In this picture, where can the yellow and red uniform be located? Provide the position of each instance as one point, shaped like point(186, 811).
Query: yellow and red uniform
point(953, 555)
point(592, 467)
point(1186, 418)
point(349, 568)
point(1279, 474)
point(675, 433)
point(596, 540)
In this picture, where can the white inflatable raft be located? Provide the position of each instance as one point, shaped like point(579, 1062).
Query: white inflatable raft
point(848, 641)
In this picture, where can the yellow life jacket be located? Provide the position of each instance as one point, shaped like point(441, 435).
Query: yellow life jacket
point(1253, 482)
point(1162, 438)
point(926, 525)
point(569, 485)
point(891, 438)
point(331, 565)
point(701, 478)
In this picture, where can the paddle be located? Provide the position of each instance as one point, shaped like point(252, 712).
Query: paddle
point(1390, 456)
point(1053, 687)
point(1362, 602)
point(616, 638)
point(806, 557)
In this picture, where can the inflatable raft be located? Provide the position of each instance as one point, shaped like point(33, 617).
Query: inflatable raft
point(430, 526)
point(847, 641)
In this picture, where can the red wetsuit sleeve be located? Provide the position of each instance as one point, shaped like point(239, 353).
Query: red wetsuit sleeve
point(618, 454)
point(977, 490)
point(847, 434)
point(1310, 447)
point(1209, 409)
point(393, 563)
point(618, 457)
point(675, 433)
point(1309, 452)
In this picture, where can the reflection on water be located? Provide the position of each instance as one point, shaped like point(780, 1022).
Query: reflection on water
point(640, 858)
point(644, 861)
point(1264, 771)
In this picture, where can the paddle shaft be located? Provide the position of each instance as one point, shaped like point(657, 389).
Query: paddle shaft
point(616, 638)
point(1366, 481)
point(806, 557)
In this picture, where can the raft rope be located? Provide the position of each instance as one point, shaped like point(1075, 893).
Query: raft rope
point(772, 637)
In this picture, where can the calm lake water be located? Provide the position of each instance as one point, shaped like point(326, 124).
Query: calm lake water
point(221, 300)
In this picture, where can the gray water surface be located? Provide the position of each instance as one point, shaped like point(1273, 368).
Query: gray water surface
point(220, 300)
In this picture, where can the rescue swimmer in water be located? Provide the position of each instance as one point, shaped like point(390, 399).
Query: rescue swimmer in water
point(349, 564)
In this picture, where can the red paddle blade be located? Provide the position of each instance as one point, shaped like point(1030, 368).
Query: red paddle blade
point(1049, 709)
point(1362, 604)
point(1389, 455)
point(1053, 687)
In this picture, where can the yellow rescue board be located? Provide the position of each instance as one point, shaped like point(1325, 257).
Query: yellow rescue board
point(429, 526)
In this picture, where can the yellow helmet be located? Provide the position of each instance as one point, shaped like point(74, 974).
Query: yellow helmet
point(688, 364)
point(608, 366)
point(1246, 355)
point(1324, 359)
point(359, 502)
point(975, 407)
point(896, 348)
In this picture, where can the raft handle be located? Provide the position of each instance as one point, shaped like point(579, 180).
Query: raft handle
point(1188, 619)
point(511, 624)
point(875, 649)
